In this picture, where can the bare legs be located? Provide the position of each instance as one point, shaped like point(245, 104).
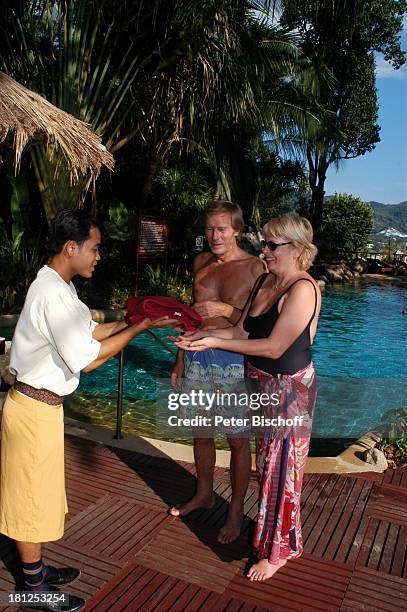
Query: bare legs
point(262, 570)
point(29, 552)
point(240, 465)
point(204, 455)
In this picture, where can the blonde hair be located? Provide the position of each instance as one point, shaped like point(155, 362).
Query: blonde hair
point(297, 230)
point(224, 206)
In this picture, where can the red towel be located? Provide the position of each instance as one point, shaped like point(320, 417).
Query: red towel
point(155, 307)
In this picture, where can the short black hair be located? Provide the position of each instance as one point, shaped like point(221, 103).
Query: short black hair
point(69, 224)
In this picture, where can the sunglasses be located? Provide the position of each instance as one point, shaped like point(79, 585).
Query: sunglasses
point(272, 245)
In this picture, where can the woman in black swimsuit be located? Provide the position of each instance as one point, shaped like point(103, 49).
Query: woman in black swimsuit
point(275, 333)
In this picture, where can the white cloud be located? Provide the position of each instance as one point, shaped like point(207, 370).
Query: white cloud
point(384, 70)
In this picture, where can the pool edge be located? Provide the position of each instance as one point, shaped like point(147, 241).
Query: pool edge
point(346, 462)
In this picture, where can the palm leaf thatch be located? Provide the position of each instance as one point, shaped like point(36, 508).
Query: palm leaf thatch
point(26, 116)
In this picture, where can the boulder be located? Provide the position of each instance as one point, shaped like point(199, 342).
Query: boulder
point(334, 275)
point(375, 457)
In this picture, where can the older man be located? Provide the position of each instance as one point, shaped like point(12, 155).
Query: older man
point(223, 279)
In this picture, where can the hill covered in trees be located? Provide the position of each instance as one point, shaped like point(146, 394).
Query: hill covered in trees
point(386, 215)
point(389, 215)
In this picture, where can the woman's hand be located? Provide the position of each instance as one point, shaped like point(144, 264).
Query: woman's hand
point(190, 336)
point(201, 344)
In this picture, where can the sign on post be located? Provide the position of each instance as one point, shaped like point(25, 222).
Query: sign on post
point(152, 240)
point(153, 237)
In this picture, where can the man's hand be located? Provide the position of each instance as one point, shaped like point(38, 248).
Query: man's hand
point(209, 309)
point(161, 322)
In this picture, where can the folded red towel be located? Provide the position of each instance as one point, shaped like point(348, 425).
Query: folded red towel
point(155, 307)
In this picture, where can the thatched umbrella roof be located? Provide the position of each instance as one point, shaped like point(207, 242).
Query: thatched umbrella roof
point(26, 116)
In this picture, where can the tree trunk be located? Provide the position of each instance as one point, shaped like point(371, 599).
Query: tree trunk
point(317, 167)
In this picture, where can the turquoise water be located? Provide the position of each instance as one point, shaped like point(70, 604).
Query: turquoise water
point(361, 358)
point(360, 355)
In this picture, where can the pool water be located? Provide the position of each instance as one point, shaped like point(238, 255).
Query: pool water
point(360, 356)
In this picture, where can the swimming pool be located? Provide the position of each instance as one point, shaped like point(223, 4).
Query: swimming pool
point(360, 355)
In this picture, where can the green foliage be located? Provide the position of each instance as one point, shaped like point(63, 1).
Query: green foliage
point(346, 227)
point(281, 183)
point(122, 223)
point(389, 216)
point(156, 280)
point(342, 35)
point(181, 76)
point(78, 55)
point(182, 191)
point(19, 263)
point(394, 425)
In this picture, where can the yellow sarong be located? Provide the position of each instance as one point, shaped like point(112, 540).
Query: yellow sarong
point(32, 481)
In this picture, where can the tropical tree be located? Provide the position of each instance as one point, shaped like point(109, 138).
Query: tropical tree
point(346, 226)
point(341, 35)
point(194, 75)
point(79, 56)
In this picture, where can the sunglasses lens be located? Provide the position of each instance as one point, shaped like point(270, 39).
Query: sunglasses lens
point(270, 244)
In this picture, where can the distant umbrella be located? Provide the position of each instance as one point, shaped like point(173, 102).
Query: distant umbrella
point(25, 117)
point(391, 232)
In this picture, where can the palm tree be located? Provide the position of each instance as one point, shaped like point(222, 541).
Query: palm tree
point(206, 75)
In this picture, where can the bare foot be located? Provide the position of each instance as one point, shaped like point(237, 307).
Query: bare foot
point(231, 529)
point(262, 570)
point(195, 503)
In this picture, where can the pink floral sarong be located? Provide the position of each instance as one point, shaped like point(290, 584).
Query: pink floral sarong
point(280, 458)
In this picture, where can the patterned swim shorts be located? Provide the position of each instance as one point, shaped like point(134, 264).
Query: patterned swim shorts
point(222, 373)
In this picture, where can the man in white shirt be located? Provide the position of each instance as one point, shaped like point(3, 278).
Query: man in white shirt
point(54, 340)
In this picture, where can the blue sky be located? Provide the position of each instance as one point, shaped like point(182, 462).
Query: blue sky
point(382, 174)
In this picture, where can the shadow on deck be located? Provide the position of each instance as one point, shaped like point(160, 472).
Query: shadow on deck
point(134, 556)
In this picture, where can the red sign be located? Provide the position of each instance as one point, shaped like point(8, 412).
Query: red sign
point(153, 237)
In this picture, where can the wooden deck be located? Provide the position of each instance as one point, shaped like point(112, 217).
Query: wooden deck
point(134, 556)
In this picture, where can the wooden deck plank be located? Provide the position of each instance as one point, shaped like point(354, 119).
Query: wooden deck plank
point(106, 598)
point(134, 556)
point(334, 527)
point(96, 570)
point(389, 547)
point(306, 584)
point(376, 550)
point(138, 588)
point(399, 564)
point(115, 528)
point(327, 519)
point(372, 590)
point(351, 523)
point(391, 504)
point(315, 502)
point(381, 549)
point(195, 555)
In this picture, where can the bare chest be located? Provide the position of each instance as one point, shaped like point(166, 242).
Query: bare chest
point(230, 283)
